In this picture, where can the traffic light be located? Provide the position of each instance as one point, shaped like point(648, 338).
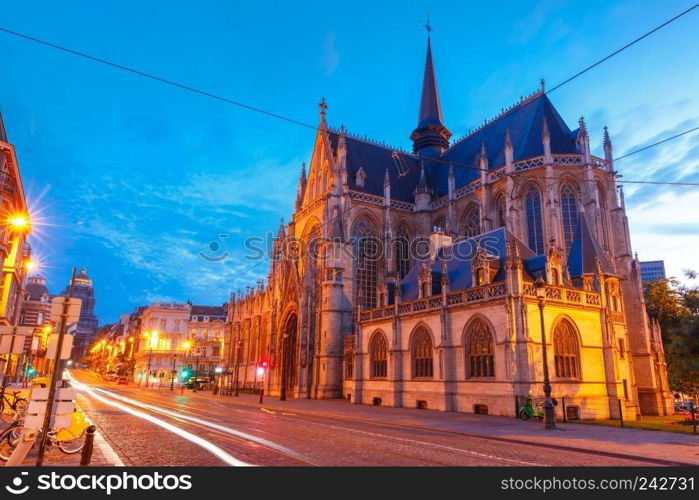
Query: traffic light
point(30, 371)
point(262, 367)
point(184, 375)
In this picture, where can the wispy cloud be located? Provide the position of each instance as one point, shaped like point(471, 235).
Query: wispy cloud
point(330, 57)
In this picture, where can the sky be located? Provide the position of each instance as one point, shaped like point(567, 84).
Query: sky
point(154, 189)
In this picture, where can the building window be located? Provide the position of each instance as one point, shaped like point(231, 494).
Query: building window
point(500, 210)
point(163, 324)
point(378, 353)
point(626, 390)
point(402, 253)
point(535, 235)
point(421, 350)
point(569, 213)
point(367, 246)
point(471, 224)
point(622, 349)
point(565, 349)
point(480, 353)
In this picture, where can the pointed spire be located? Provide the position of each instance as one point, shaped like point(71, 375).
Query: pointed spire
point(387, 189)
point(423, 179)
point(583, 128)
point(584, 140)
point(3, 133)
point(509, 151)
point(430, 134)
point(546, 139)
point(608, 156)
point(386, 178)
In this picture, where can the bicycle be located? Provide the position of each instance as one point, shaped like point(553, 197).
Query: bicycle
point(68, 440)
point(13, 403)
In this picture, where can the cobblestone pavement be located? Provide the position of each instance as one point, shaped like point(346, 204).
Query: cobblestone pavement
point(160, 427)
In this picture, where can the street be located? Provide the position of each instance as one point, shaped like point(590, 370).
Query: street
point(149, 427)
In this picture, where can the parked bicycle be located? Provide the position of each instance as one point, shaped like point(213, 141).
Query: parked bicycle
point(14, 401)
point(69, 440)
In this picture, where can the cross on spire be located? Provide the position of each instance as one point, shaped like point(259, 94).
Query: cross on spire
point(323, 106)
point(428, 27)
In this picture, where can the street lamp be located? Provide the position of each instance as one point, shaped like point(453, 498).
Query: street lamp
point(186, 346)
point(152, 337)
point(172, 372)
point(237, 364)
point(282, 389)
point(549, 416)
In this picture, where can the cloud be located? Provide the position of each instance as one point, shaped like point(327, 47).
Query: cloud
point(330, 57)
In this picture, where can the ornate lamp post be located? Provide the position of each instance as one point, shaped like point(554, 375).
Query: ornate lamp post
point(239, 346)
point(549, 415)
point(172, 372)
point(282, 389)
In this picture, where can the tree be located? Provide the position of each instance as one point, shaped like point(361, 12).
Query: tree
point(676, 307)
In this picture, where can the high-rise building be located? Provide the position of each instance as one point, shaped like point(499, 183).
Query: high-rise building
point(652, 270)
point(88, 322)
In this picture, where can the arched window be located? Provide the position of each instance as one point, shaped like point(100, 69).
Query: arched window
point(569, 213)
point(421, 351)
point(535, 234)
point(471, 223)
point(367, 247)
point(349, 365)
point(402, 252)
point(565, 350)
point(500, 210)
point(480, 356)
point(378, 353)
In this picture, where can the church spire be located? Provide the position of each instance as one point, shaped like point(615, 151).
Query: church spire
point(431, 137)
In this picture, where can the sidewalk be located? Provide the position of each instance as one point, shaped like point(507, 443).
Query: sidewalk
point(622, 442)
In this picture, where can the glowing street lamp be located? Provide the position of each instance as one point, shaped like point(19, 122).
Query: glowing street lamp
point(19, 222)
point(549, 415)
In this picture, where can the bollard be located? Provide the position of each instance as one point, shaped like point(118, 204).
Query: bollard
point(86, 455)
point(694, 418)
point(563, 407)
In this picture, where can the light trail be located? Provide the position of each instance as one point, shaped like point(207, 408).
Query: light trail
point(207, 423)
point(208, 446)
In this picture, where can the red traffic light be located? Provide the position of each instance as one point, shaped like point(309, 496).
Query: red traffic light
point(262, 364)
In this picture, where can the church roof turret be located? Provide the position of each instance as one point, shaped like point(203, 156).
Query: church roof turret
point(430, 137)
point(3, 133)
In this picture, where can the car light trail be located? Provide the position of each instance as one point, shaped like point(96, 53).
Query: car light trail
point(207, 423)
point(215, 450)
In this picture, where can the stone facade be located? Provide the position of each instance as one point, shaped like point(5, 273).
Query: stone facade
point(357, 263)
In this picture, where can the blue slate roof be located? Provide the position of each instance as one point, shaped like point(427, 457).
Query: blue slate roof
point(584, 250)
point(524, 121)
point(459, 257)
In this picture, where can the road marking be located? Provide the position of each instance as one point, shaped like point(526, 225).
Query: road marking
point(207, 423)
point(212, 448)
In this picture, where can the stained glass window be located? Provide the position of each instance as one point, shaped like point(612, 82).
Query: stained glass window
point(480, 356)
point(421, 351)
point(569, 213)
point(565, 349)
point(535, 232)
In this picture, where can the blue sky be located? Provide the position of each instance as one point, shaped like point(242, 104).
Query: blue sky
point(134, 179)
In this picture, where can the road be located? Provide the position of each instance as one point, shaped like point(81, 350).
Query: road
point(157, 427)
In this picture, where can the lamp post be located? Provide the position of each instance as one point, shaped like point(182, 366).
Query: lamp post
point(549, 416)
point(186, 346)
point(172, 372)
point(282, 389)
point(151, 336)
point(237, 364)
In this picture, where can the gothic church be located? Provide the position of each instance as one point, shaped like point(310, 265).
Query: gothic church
point(411, 278)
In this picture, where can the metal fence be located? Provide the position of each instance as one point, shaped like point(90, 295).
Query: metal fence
point(571, 409)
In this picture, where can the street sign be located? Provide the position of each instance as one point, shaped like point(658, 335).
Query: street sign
point(65, 350)
point(20, 334)
point(57, 309)
point(63, 408)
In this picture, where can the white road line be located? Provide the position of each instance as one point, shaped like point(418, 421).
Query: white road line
point(207, 445)
point(207, 423)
